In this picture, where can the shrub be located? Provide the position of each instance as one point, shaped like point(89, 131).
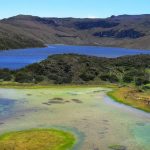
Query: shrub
point(23, 77)
point(111, 78)
point(38, 78)
point(5, 75)
point(141, 81)
point(87, 76)
point(127, 78)
point(104, 77)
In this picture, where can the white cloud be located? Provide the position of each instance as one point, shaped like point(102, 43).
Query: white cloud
point(92, 17)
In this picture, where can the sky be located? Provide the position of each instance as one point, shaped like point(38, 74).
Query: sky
point(73, 8)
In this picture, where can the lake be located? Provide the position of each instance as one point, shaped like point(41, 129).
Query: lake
point(97, 121)
point(15, 59)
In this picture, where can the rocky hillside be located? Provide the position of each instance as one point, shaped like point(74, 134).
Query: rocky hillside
point(118, 31)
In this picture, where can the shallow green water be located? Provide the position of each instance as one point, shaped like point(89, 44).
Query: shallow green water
point(95, 119)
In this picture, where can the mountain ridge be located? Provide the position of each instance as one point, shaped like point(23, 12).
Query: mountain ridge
point(126, 31)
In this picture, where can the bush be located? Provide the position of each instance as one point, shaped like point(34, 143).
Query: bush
point(23, 77)
point(111, 78)
point(38, 78)
point(62, 80)
point(87, 76)
point(104, 77)
point(141, 81)
point(127, 78)
point(5, 75)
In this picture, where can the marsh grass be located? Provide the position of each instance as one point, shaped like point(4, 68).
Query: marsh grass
point(117, 147)
point(17, 85)
point(37, 139)
point(132, 97)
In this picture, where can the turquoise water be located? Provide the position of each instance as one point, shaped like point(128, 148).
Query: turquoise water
point(142, 134)
point(15, 59)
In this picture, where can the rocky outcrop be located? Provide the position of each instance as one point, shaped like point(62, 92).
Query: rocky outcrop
point(95, 24)
point(129, 33)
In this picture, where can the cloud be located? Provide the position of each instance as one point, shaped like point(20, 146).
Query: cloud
point(92, 17)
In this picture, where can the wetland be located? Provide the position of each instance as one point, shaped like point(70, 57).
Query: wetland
point(96, 121)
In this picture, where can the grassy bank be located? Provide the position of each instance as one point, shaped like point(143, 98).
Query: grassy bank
point(37, 86)
point(132, 97)
point(39, 139)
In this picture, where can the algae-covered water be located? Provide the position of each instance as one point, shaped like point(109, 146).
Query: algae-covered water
point(95, 120)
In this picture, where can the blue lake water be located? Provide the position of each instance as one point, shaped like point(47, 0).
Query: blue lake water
point(6, 106)
point(15, 59)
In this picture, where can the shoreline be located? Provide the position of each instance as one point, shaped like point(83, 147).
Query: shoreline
point(37, 86)
point(82, 45)
point(112, 94)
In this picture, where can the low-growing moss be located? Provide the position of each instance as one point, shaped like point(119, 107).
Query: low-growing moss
point(37, 139)
point(117, 147)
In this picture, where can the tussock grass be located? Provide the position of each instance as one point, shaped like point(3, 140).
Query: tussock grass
point(37, 139)
point(131, 97)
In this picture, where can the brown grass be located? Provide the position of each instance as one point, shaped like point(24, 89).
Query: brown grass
point(132, 97)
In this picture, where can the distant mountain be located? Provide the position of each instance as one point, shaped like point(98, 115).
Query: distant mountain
point(24, 31)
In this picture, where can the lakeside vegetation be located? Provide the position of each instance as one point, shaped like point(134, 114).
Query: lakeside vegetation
point(132, 96)
point(128, 75)
point(81, 69)
point(39, 139)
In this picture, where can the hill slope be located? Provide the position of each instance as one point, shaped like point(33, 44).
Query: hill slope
point(80, 69)
point(119, 31)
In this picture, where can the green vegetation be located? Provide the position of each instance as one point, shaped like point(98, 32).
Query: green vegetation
point(117, 147)
point(72, 69)
point(5, 75)
point(37, 139)
point(80, 69)
point(16, 42)
point(132, 96)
